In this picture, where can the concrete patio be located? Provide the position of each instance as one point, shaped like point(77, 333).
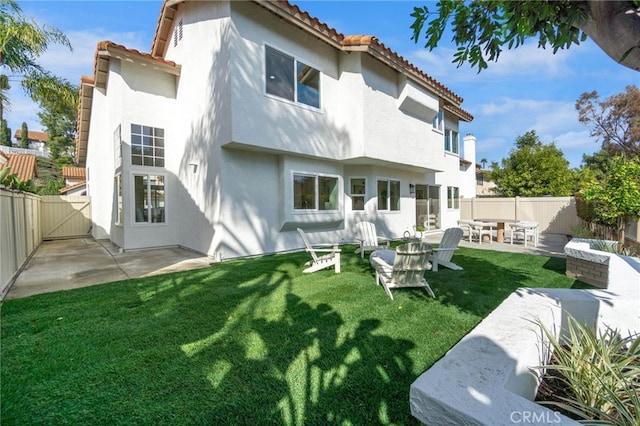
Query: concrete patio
point(74, 263)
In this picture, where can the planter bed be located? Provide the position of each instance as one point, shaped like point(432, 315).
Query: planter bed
point(485, 379)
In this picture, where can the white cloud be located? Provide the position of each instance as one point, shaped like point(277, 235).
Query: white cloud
point(72, 65)
point(524, 62)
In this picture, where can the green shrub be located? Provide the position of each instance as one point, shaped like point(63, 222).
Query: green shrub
point(603, 373)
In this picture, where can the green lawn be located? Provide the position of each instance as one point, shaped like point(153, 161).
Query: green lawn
point(246, 342)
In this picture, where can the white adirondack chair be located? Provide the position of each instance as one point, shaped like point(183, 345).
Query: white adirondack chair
point(444, 252)
point(369, 239)
point(331, 256)
point(407, 268)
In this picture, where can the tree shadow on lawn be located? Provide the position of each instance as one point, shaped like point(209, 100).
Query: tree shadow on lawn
point(252, 341)
point(231, 344)
point(489, 277)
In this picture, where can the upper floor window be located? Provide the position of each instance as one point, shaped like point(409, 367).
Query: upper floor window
point(451, 141)
point(358, 189)
point(290, 79)
point(389, 195)
point(438, 121)
point(315, 192)
point(147, 146)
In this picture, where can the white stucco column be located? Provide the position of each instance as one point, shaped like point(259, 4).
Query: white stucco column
point(469, 149)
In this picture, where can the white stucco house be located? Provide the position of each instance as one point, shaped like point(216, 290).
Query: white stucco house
point(249, 119)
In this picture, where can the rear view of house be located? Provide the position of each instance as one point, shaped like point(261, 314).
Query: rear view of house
point(250, 119)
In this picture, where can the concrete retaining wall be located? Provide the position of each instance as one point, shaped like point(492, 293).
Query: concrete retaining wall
point(486, 378)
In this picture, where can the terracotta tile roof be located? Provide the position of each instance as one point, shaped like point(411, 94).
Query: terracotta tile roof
point(32, 136)
point(72, 187)
point(108, 49)
point(24, 165)
point(74, 172)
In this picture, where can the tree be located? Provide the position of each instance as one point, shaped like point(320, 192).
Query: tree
point(481, 29)
point(5, 133)
point(59, 117)
point(615, 199)
point(615, 120)
point(22, 41)
point(484, 162)
point(533, 169)
point(4, 101)
point(24, 136)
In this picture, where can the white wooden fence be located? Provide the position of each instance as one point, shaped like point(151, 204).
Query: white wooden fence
point(27, 219)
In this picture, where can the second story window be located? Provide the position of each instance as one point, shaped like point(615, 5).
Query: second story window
point(438, 121)
point(147, 146)
point(451, 141)
point(290, 79)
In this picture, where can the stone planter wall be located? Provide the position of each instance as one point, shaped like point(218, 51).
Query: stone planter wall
point(587, 271)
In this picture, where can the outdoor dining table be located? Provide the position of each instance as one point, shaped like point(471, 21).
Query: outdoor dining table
point(500, 224)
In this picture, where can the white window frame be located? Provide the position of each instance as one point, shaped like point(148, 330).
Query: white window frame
point(148, 207)
point(296, 60)
point(438, 122)
point(117, 146)
point(453, 198)
point(388, 197)
point(155, 157)
point(454, 143)
point(363, 195)
point(316, 177)
point(118, 190)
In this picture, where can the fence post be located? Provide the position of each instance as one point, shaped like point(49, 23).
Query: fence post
point(516, 207)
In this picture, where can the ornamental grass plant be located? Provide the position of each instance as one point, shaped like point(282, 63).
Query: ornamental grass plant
point(251, 341)
point(599, 373)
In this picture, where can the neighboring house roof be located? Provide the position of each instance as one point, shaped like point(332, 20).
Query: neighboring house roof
point(3, 157)
point(32, 136)
point(283, 9)
point(72, 187)
point(69, 172)
point(24, 165)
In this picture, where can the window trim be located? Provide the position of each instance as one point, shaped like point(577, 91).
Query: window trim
point(316, 176)
point(453, 197)
point(149, 222)
point(363, 196)
point(119, 204)
point(389, 201)
point(154, 157)
point(296, 59)
point(448, 136)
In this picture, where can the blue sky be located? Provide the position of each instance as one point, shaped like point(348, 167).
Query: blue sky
point(527, 89)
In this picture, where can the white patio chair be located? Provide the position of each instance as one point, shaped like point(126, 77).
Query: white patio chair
point(480, 229)
point(369, 239)
point(442, 254)
point(525, 231)
point(407, 269)
point(322, 261)
point(464, 225)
